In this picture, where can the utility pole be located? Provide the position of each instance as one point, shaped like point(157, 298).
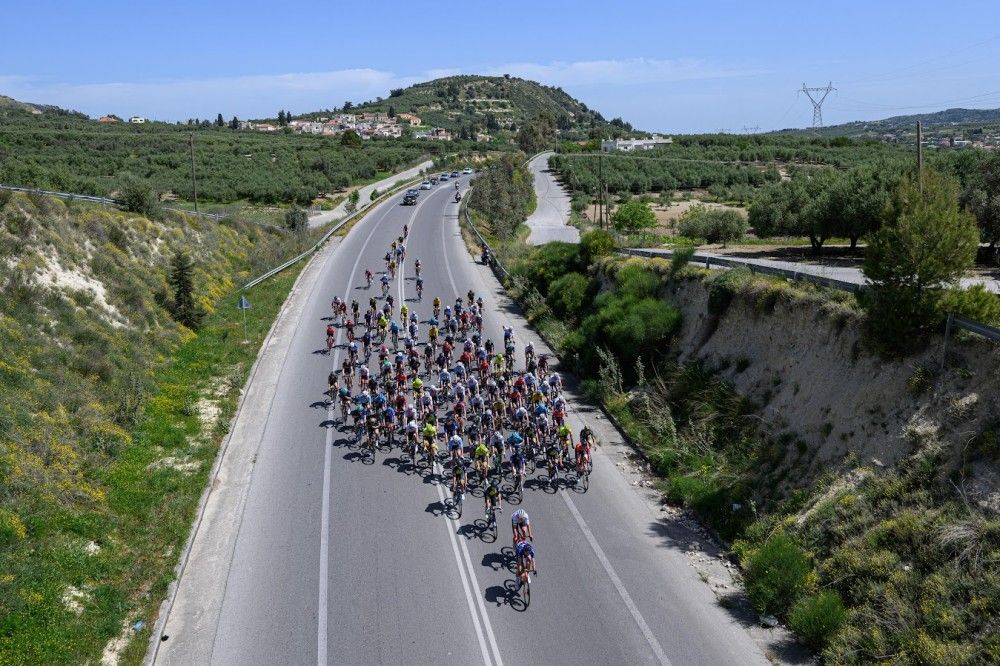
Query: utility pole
point(817, 101)
point(751, 130)
point(600, 188)
point(194, 182)
point(920, 155)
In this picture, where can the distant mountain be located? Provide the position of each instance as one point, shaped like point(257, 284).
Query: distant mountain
point(492, 104)
point(9, 103)
point(956, 120)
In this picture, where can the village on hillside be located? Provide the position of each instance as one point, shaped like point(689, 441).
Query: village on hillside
point(366, 125)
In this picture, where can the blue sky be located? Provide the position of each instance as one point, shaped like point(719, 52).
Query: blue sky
point(673, 66)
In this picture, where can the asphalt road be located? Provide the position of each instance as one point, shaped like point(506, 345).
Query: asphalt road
point(339, 560)
point(550, 220)
point(365, 193)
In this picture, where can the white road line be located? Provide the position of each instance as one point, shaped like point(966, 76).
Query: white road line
point(465, 568)
point(616, 581)
point(592, 540)
point(324, 532)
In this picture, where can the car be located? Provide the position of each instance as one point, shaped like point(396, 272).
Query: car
point(454, 174)
point(434, 180)
point(443, 177)
point(467, 170)
point(426, 185)
point(414, 192)
point(410, 199)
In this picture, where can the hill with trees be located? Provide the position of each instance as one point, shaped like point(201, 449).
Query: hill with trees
point(956, 122)
point(496, 105)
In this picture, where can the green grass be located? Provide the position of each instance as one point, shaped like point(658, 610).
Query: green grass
point(87, 406)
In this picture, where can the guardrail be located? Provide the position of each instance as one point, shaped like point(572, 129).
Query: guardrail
point(104, 201)
point(334, 229)
point(821, 280)
point(498, 269)
point(953, 320)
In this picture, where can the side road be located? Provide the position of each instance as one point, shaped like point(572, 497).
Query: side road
point(185, 628)
point(550, 220)
point(365, 194)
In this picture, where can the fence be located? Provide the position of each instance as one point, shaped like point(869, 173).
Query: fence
point(104, 201)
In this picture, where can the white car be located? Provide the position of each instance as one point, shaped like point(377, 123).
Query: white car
point(467, 170)
point(426, 185)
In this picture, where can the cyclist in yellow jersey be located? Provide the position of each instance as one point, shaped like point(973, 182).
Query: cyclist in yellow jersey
point(481, 456)
point(403, 311)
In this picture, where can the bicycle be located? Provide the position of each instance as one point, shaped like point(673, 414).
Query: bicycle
point(491, 520)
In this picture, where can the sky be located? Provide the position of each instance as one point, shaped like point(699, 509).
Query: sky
point(669, 66)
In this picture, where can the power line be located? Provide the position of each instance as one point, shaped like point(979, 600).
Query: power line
point(817, 96)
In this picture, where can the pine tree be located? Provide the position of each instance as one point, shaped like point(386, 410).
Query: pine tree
point(219, 122)
point(234, 123)
point(281, 117)
point(185, 310)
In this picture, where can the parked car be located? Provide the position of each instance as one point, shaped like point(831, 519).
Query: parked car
point(426, 185)
point(467, 170)
point(409, 199)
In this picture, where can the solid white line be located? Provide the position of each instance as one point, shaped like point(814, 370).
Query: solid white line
point(324, 532)
point(465, 548)
point(616, 581)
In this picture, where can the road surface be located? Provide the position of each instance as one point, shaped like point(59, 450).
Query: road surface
point(550, 220)
point(365, 193)
point(841, 273)
point(307, 553)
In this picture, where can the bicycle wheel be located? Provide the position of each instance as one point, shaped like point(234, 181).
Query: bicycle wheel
point(526, 590)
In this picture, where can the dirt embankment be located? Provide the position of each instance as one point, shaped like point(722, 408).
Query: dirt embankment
point(808, 367)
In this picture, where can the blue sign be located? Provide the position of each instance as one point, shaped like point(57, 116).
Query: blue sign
point(244, 303)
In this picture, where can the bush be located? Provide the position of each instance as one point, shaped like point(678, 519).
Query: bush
point(567, 294)
point(596, 244)
point(724, 286)
point(296, 219)
point(777, 574)
point(548, 263)
point(679, 259)
point(976, 303)
point(637, 281)
point(715, 225)
point(137, 196)
point(817, 618)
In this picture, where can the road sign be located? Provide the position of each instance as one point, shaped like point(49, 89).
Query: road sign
point(244, 303)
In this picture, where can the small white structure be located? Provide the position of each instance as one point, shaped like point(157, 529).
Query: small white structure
point(137, 120)
point(629, 145)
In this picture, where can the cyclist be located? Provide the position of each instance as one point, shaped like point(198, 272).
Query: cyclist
point(524, 552)
point(420, 288)
point(459, 479)
point(406, 230)
point(331, 337)
point(416, 266)
point(520, 526)
point(481, 458)
point(369, 277)
point(455, 447)
point(491, 498)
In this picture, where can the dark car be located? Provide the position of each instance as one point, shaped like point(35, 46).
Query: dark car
point(410, 200)
point(454, 174)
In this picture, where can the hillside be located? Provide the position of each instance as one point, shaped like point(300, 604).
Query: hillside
point(950, 122)
point(492, 104)
point(110, 409)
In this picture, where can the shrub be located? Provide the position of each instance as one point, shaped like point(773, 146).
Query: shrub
point(296, 219)
point(817, 618)
point(138, 196)
point(715, 225)
point(568, 293)
point(777, 574)
point(637, 281)
point(679, 259)
point(975, 303)
point(596, 244)
point(724, 286)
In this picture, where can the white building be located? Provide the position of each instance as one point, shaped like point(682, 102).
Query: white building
point(137, 120)
point(629, 145)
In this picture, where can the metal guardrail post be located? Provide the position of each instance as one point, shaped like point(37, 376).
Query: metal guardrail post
point(947, 334)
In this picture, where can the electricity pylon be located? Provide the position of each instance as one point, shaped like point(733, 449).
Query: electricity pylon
point(817, 101)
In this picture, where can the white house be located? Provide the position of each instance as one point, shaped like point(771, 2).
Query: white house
point(137, 120)
point(629, 145)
